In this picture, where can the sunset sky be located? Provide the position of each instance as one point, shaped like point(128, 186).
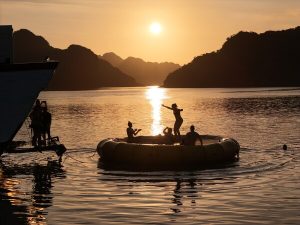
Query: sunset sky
point(180, 30)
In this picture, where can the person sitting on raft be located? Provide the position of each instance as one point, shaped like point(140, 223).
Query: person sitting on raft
point(169, 138)
point(191, 137)
point(178, 118)
point(131, 132)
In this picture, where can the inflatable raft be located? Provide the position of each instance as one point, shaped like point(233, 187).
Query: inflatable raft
point(150, 152)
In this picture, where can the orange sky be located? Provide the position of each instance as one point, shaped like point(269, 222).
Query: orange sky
point(189, 27)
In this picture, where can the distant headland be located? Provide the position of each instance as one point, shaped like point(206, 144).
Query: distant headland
point(145, 73)
point(79, 68)
point(246, 59)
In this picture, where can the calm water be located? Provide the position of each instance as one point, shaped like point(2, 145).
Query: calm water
point(262, 188)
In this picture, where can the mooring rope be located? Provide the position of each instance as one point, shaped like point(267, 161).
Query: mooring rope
point(74, 158)
point(81, 150)
point(77, 160)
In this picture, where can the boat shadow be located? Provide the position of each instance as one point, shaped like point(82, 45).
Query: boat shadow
point(19, 206)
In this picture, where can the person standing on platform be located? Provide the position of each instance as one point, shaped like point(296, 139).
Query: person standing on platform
point(46, 121)
point(36, 123)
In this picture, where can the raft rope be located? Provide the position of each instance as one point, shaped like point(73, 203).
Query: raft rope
point(68, 156)
point(77, 160)
point(85, 150)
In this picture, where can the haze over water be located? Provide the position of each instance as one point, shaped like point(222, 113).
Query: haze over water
point(262, 188)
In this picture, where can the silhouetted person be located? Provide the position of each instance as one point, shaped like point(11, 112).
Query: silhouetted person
point(46, 122)
point(169, 139)
point(191, 137)
point(131, 132)
point(36, 123)
point(178, 118)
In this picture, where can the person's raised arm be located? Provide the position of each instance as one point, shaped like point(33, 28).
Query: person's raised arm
point(166, 106)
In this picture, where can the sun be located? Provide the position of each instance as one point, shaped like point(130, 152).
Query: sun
point(155, 28)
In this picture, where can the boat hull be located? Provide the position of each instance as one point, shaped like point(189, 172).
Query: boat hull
point(160, 156)
point(20, 85)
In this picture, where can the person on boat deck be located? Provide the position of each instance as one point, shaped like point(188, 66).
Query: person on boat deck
point(178, 118)
point(131, 132)
point(169, 138)
point(191, 137)
point(36, 123)
point(46, 121)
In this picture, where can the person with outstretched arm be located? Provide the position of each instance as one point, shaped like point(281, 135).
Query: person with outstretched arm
point(131, 132)
point(178, 118)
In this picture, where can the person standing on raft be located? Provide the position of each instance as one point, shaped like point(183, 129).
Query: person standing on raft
point(178, 118)
point(131, 132)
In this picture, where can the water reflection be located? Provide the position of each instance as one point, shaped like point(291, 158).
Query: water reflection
point(186, 191)
point(178, 194)
point(155, 95)
point(177, 200)
point(23, 206)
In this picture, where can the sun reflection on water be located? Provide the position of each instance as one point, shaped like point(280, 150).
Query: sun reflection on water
point(155, 95)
